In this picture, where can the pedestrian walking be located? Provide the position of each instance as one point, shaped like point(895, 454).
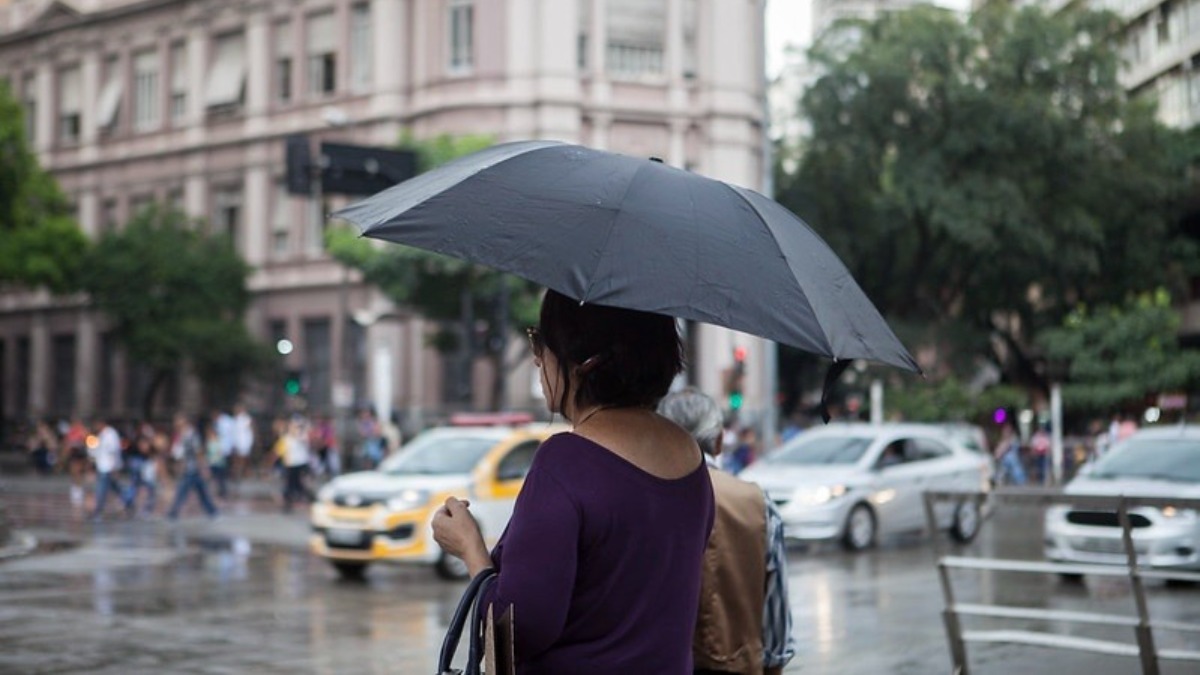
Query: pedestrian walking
point(142, 472)
point(371, 439)
point(188, 450)
point(75, 454)
point(107, 458)
point(41, 445)
point(296, 457)
point(214, 454)
point(745, 623)
point(243, 434)
point(1039, 447)
point(1008, 453)
point(225, 428)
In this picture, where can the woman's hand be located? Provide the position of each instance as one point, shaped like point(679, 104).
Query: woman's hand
point(458, 534)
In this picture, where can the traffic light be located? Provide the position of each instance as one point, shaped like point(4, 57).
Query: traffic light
point(292, 384)
point(735, 380)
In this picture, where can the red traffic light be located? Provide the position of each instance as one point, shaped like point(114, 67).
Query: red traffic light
point(739, 353)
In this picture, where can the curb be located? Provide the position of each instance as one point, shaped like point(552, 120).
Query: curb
point(24, 544)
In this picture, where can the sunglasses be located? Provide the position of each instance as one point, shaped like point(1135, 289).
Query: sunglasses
point(536, 344)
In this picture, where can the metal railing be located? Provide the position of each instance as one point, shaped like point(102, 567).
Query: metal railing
point(1142, 625)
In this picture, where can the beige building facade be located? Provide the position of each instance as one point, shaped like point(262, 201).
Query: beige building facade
point(188, 103)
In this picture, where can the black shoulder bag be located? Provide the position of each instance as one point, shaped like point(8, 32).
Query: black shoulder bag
point(470, 604)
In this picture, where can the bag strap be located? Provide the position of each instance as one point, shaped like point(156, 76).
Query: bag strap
point(466, 607)
point(478, 614)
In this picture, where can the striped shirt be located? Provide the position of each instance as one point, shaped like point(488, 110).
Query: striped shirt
point(779, 645)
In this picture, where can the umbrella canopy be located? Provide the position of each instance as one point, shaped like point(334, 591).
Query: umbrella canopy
point(615, 230)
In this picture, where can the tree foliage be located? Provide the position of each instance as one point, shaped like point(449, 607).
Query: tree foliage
point(175, 296)
point(981, 179)
point(461, 296)
point(1116, 356)
point(40, 243)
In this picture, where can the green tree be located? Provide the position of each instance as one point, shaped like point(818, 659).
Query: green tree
point(1117, 356)
point(40, 243)
point(175, 297)
point(981, 179)
point(460, 296)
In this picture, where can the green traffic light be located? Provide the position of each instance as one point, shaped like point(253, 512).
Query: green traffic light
point(292, 387)
point(735, 401)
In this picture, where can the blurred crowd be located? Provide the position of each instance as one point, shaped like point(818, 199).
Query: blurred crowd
point(141, 466)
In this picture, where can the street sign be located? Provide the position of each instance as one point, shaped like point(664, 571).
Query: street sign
point(345, 169)
point(362, 170)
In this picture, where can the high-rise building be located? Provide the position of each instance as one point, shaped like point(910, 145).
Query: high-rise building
point(189, 103)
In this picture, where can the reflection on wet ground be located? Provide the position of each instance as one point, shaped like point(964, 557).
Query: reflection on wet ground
point(240, 595)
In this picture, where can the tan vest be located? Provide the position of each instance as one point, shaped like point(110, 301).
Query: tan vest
point(733, 589)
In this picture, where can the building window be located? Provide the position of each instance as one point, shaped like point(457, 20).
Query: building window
point(145, 91)
point(175, 200)
point(1163, 23)
point(636, 29)
point(283, 62)
point(29, 106)
point(179, 83)
point(227, 213)
point(322, 54)
point(63, 391)
point(109, 108)
point(690, 56)
point(108, 216)
point(360, 46)
point(139, 203)
point(462, 35)
point(22, 378)
point(318, 353)
point(281, 219)
point(584, 36)
point(69, 105)
point(226, 87)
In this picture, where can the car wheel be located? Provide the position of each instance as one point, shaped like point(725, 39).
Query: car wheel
point(451, 567)
point(350, 570)
point(966, 521)
point(860, 529)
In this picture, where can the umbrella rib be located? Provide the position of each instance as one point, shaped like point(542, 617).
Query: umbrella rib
point(591, 278)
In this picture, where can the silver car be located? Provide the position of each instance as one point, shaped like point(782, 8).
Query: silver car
point(1160, 462)
point(854, 482)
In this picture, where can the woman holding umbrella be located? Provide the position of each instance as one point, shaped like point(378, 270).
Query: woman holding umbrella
point(602, 557)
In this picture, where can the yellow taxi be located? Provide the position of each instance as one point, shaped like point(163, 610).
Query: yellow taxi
point(385, 514)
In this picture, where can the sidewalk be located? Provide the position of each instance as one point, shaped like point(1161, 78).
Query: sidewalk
point(252, 514)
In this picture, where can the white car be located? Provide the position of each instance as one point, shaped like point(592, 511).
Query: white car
point(854, 482)
point(1160, 462)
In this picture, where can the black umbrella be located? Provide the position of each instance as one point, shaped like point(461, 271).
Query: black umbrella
point(627, 232)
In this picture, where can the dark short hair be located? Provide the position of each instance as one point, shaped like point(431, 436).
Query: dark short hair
point(627, 358)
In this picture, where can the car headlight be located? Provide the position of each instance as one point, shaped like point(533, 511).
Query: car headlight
point(408, 499)
point(819, 495)
point(326, 494)
point(1172, 513)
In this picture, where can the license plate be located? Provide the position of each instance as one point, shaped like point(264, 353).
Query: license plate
point(339, 535)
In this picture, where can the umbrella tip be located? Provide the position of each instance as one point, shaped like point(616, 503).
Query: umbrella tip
point(656, 159)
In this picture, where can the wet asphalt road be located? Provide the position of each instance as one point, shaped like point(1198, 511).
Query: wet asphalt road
point(240, 595)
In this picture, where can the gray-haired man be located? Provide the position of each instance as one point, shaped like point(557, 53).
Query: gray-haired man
point(744, 624)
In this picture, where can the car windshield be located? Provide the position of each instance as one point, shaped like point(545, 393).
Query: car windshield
point(432, 454)
point(821, 450)
point(1176, 460)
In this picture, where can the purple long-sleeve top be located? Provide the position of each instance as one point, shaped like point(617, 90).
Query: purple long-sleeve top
point(601, 562)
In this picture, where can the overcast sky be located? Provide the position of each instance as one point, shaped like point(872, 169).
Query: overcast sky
point(788, 22)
